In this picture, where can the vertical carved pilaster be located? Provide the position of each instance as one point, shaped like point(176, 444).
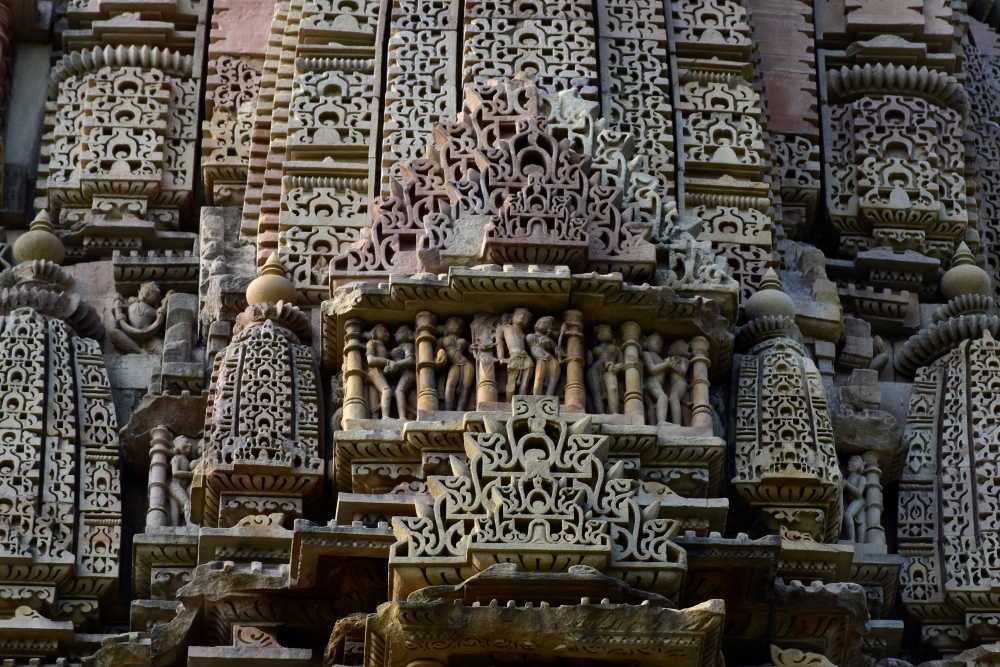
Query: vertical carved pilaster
point(632, 364)
point(701, 409)
point(576, 393)
point(427, 396)
point(159, 466)
point(354, 371)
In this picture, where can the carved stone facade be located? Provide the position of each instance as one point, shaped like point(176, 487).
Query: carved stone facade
point(480, 334)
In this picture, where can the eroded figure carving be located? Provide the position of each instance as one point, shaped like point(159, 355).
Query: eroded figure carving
point(854, 499)
point(139, 321)
point(679, 357)
point(403, 363)
point(605, 366)
point(863, 501)
point(179, 489)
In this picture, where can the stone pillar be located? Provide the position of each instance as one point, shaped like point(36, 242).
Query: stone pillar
point(427, 396)
point(632, 358)
point(874, 533)
point(354, 405)
point(701, 407)
point(159, 475)
point(576, 393)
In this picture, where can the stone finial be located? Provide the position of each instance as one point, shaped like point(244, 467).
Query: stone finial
point(40, 242)
point(770, 299)
point(271, 286)
point(964, 278)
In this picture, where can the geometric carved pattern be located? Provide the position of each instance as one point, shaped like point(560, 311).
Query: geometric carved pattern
point(60, 513)
point(118, 157)
point(536, 493)
point(949, 513)
point(786, 465)
point(264, 416)
point(896, 176)
point(500, 170)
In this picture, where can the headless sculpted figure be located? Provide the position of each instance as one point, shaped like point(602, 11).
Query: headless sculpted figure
point(179, 489)
point(854, 499)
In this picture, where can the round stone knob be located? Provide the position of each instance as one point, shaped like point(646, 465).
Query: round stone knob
point(769, 300)
point(39, 242)
point(964, 278)
point(271, 286)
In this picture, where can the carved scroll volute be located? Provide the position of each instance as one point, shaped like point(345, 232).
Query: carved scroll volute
point(427, 396)
point(632, 354)
point(701, 410)
point(576, 393)
point(354, 370)
point(159, 470)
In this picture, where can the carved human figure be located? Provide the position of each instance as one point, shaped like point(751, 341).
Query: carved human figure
point(854, 500)
point(377, 352)
point(403, 363)
point(603, 371)
point(679, 356)
point(656, 373)
point(461, 372)
point(547, 356)
point(139, 320)
point(511, 351)
point(179, 488)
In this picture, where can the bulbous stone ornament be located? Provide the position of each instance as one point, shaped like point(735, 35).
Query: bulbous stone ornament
point(39, 242)
point(271, 286)
point(964, 277)
point(770, 300)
